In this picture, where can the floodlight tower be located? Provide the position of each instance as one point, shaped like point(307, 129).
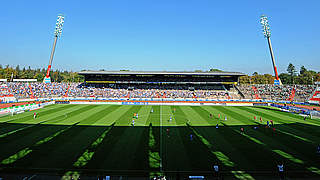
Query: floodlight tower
point(267, 34)
point(57, 33)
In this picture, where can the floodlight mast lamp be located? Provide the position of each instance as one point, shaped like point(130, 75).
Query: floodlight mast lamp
point(266, 32)
point(57, 33)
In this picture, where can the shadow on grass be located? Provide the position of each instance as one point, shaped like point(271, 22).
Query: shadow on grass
point(126, 151)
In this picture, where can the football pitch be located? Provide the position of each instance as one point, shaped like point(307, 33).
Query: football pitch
point(170, 140)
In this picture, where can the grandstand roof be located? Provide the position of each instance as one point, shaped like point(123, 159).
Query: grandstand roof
point(164, 73)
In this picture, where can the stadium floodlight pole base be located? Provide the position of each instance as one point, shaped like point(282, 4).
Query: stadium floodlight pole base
point(277, 82)
point(47, 80)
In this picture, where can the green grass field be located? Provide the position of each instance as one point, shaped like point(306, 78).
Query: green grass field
point(99, 139)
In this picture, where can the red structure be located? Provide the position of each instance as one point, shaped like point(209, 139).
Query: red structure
point(293, 93)
point(256, 93)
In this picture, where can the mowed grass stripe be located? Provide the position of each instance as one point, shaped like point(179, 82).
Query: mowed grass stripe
point(254, 150)
point(87, 155)
point(154, 117)
point(99, 114)
point(43, 113)
point(24, 115)
point(294, 161)
point(143, 116)
point(12, 127)
point(141, 153)
point(290, 117)
point(62, 151)
point(167, 113)
point(155, 161)
point(176, 113)
point(111, 117)
point(215, 113)
point(244, 117)
point(279, 140)
point(9, 128)
point(205, 115)
point(25, 139)
point(304, 131)
point(281, 137)
point(270, 115)
point(79, 140)
point(24, 152)
point(295, 116)
point(284, 128)
point(172, 151)
point(131, 146)
point(76, 116)
point(83, 109)
point(221, 111)
point(172, 160)
point(199, 155)
point(229, 112)
point(238, 119)
point(224, 160)
point(36, 122)
point(104, 149)
point(265, 137)
point(180, 118)
point(231, 146)
point(44, 119)
point(251, 115)
point(267, 115)
point(193, 116)
point(126, 118)
point(68, 114)
point(46, 114)
point(85, 115)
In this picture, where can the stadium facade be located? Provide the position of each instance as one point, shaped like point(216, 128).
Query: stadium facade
point(162, 79)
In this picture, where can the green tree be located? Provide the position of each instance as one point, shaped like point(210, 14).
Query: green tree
point(317, 77)
point(198, 70)
point(57, 76)
point(269, 78)
point(17, 71)
point(292, 72)
point(303, 70)
point(39, 76)
point(260, 79)
point(215, 70)
point(285, 78)
point(244, 79)
point(306, 78)
point(1, 72)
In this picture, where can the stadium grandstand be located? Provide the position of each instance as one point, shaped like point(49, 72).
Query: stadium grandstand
point(175, 84)
point(161, 89)
point(298, 93)
point(162, 79)
point(315, 96)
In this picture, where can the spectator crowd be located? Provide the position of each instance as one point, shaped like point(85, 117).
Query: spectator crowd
point(42, 90)
point(49, 90)
point(276, 92)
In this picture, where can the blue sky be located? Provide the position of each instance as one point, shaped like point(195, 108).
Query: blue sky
point(172, 35)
